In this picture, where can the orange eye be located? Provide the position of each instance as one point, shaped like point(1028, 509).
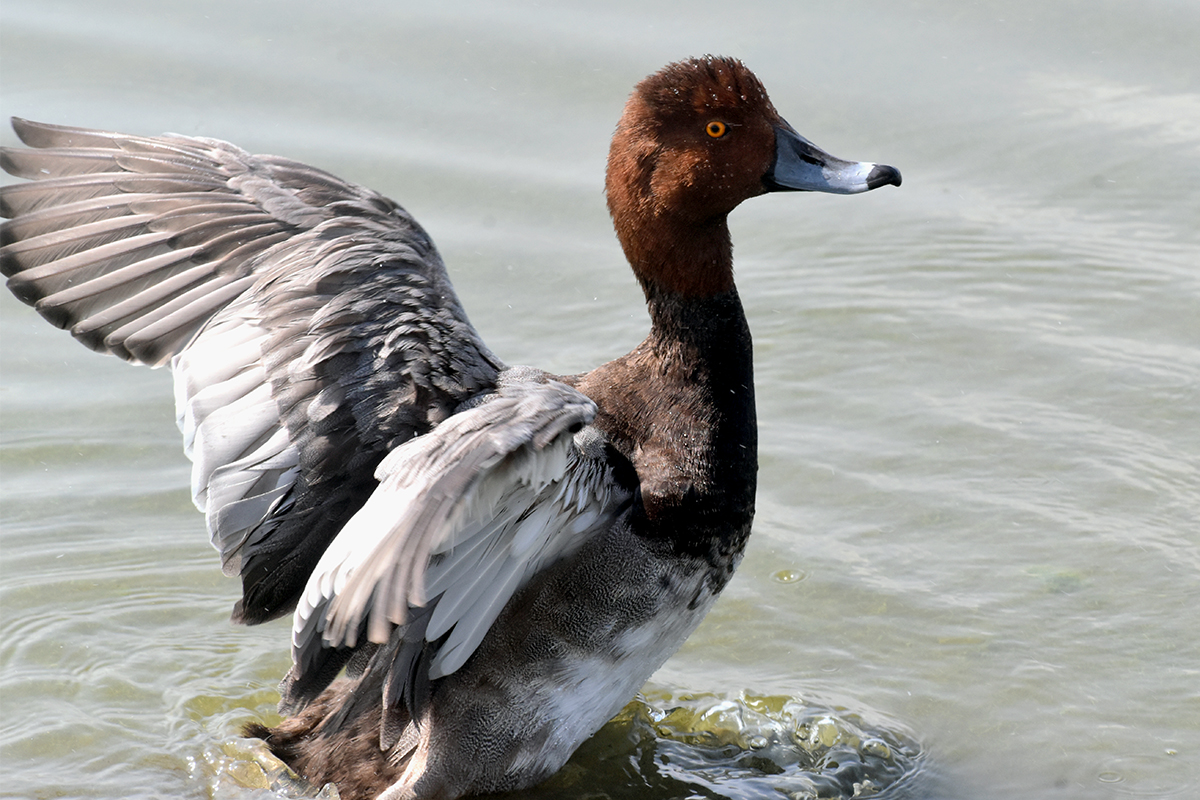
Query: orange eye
point(715, 129)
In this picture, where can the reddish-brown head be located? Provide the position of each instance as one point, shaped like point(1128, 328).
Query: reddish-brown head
point(696, 139)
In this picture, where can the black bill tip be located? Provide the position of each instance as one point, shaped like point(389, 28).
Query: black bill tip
point(883, 175)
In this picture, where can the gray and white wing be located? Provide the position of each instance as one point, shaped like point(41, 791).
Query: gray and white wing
point(463, 517)
point(309, 323)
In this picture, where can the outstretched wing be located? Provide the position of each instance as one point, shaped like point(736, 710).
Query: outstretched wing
point(309, 323)
point(463, 517)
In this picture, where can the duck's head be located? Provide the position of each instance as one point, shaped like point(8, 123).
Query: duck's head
point(696, 139)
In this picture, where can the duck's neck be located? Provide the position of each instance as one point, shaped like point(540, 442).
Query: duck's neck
point(675, 256)
point(681, 408)
point(700, 349)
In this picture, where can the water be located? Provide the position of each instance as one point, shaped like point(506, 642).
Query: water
point(979, 510)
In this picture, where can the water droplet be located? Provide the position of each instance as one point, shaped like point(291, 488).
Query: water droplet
point(789, 576)
point(865, 789)
point(877, 748)
point(827, 732)
point(1157, 776)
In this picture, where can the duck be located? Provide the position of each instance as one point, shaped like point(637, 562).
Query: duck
point(483, 562)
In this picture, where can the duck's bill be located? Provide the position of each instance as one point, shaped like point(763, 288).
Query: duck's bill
point(801, 166)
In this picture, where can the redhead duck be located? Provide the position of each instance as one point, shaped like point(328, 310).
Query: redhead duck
point(494, 559)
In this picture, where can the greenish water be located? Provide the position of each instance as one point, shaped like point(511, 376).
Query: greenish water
point(979, 510)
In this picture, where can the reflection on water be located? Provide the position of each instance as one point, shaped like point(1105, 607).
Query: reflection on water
point(673, 745)
point(743, 747)
point(238, 769)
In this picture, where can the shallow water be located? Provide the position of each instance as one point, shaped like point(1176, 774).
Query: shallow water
point(979, 508)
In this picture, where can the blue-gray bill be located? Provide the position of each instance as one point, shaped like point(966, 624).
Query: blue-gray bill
point(801, 166)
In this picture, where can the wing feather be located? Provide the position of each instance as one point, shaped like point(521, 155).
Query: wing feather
point(309, 323)
point(359, 453)
point(462, 519)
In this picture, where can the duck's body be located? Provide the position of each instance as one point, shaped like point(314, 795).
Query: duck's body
point(498, 557)
point(575, 644)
